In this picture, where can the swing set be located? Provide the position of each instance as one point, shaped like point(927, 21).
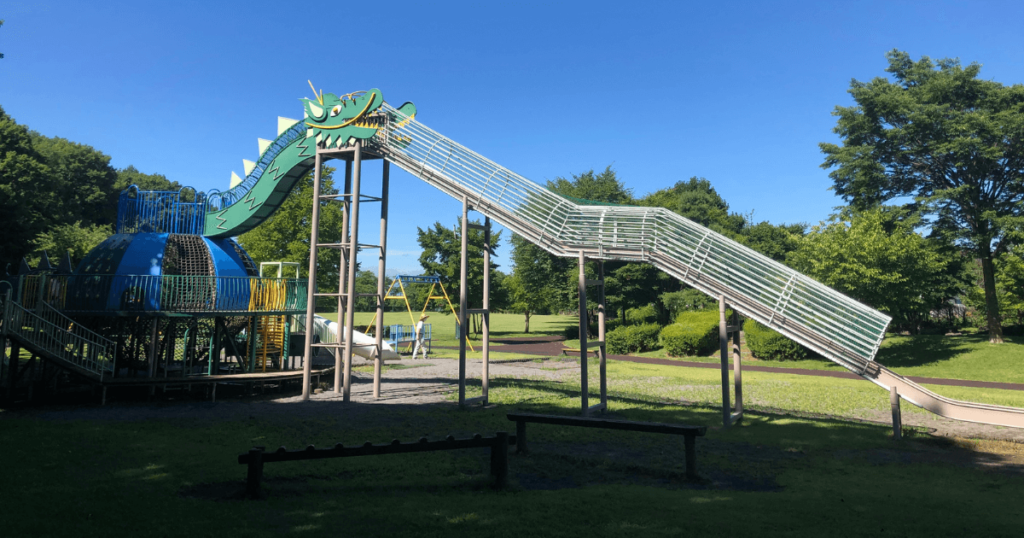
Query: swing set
point(399, 294)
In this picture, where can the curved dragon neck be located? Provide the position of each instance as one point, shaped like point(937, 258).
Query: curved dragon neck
point(329, 121)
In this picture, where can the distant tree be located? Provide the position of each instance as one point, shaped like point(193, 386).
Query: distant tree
point(285, 235)
point(773, 240)
point(441, 256)
point(698, 201)
point(875, 256)
point(28, 192)
point(74, 239)
point(603, 187)
point(534, 275)
point(85, 180)
point(952, 141)
point(146, 182)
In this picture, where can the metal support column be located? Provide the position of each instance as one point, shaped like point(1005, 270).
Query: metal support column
point(353, 249)
point(585, 344)
point(343, 254)
point(486, 314)
point(463, 301)
point(723, 341)
point(897, 417)
point(737, 366)
point(378, 364)
point(314, 237)
point(584, 381)
point(602, 350)
point(728, 416)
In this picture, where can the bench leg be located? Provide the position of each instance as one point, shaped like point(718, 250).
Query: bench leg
point(691, 457)
point(499, 459)
point(255, 474)
point(520, 437)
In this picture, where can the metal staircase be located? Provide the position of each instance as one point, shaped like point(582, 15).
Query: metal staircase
point(59, 339)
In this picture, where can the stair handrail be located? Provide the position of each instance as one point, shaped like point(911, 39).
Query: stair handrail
point(62, 337)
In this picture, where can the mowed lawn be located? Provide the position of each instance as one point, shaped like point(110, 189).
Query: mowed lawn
point(968, 357)
point(169, 469)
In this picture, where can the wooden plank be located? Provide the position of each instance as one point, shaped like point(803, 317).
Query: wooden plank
point(369, 449)
point(610, 424)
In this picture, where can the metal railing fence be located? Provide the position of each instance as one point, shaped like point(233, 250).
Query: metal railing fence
point(184, 294)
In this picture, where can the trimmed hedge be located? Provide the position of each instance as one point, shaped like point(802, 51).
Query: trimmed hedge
point(693, 333)
point(764, 343)
point(632, 338)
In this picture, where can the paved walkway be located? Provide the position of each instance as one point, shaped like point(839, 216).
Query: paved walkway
point(551, 346)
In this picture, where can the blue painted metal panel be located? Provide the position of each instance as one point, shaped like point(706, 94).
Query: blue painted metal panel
point(145, 256)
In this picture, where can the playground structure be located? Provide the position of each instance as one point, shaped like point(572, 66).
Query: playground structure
point(361, 126)
point(406, 334)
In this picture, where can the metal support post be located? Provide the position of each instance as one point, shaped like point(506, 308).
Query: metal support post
point(737, 367)
point(584, 385)
point(353, 248)
point(897, 418)
point(485, 369)
point(378, 365)
point(601, 338)
point(463, 301)
point(314, 237)
point(343, 255)
point(723, 342)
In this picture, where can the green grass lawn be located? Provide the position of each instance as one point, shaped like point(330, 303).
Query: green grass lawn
point(770, 475)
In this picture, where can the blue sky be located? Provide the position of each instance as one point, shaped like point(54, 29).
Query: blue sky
point(738, 92)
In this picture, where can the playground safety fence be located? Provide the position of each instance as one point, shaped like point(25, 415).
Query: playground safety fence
point(163, 294)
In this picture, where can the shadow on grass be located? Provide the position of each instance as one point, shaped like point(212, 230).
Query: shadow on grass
point(926, 349)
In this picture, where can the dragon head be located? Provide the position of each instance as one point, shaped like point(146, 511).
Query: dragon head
point(335, 121)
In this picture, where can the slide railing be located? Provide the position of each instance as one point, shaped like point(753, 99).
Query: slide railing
point(832, 324)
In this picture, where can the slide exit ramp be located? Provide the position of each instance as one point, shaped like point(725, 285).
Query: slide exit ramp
point(818, 317)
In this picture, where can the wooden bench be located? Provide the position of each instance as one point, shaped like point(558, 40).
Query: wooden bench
point(257, 457)
point(690, 433)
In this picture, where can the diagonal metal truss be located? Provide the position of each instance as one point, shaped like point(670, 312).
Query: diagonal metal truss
point(799, 307)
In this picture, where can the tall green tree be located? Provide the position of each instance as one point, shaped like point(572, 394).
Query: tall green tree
point(285, 235)
point(698, 201)
point(86, 180)
point(441, 256)
point(953, 142)
point(129, 176)
point(876, 256)
point(28, 197)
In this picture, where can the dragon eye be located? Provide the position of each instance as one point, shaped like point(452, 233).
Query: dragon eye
point(336, 110)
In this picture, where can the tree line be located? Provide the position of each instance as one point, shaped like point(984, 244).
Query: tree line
point(57, 195)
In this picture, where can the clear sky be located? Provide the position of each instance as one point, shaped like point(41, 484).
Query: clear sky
point(740, 93)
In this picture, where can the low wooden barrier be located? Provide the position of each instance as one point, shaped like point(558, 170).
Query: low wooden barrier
point(690, 433)
point(257, 457)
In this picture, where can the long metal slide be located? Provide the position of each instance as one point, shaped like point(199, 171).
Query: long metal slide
point(818, 317)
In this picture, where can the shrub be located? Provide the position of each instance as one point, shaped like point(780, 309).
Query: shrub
point(633, 338)
point(767, 344)
point(639, 316)
point(693, 333)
